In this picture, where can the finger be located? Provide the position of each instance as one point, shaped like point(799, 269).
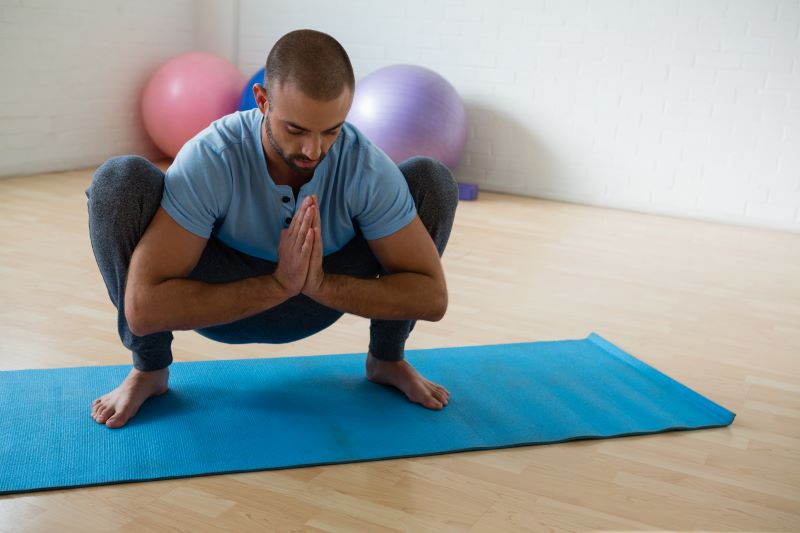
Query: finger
point(300, 227)
point(305, 225)
point(317, 214)
point(308, 244)
point(295, 224)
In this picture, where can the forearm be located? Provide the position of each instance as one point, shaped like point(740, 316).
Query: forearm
point(181, 304)
point(401, 296)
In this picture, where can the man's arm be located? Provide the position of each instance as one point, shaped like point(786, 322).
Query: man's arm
point(159, 298)
point(414, 289)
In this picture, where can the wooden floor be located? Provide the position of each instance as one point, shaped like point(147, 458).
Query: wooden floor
point(716, 307)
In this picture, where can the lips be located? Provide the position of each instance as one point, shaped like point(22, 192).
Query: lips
point(304, 163)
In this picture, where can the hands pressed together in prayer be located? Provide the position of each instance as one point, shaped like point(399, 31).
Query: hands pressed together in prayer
point(299, 268)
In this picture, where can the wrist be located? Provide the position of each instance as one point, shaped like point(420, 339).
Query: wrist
point(277, 288)
point(316, 290)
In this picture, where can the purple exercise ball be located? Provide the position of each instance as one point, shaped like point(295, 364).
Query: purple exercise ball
point(409, 110)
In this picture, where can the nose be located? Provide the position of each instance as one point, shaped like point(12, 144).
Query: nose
point(312, 147)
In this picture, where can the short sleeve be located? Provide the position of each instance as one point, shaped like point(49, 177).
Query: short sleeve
point(383, 204)
point(197, 188)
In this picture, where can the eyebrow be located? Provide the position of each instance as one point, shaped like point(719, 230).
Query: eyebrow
point(299, 127)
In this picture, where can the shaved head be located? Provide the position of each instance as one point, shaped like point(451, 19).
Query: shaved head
point(312, 61)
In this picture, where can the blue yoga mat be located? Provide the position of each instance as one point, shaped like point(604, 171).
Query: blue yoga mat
point(258, 414)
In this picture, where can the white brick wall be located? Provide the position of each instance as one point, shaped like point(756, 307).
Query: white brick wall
point(682, 107)
point(72, 75)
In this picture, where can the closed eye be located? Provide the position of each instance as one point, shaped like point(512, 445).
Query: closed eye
point(296, 131)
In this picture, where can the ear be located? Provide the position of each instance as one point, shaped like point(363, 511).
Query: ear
point(260, 94)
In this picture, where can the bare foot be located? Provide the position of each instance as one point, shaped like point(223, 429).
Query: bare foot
point(401, 374)
point(120, 405)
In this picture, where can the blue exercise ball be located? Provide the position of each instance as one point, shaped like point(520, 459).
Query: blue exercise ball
point(248, 101)
point(409, 110)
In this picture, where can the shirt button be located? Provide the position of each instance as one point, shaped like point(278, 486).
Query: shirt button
point(288, 220)
point(285, 199)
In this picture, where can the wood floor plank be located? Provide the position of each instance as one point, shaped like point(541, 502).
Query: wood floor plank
point(716, 307)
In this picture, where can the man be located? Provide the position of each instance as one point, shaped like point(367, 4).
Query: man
point(268, 226)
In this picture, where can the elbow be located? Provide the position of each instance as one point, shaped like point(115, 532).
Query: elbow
point(438, 306)
point(134, 316)
point(135, 324)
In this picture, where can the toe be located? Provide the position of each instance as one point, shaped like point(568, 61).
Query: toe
point(103, 414)
point(118, 420)
point(121, 417)
point(433, 403)
point(437, 387)
point(432, 400)
point(441, 397)
point(441, 393)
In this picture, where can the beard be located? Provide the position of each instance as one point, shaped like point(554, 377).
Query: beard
point(290, 159)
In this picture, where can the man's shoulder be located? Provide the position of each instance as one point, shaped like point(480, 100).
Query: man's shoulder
point(216, 144)
point(360, 150)
point(352, 139)
point(230, 132)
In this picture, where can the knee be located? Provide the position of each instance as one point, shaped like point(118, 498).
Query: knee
point(120, 177)
point(117, 169)
point(428, 177)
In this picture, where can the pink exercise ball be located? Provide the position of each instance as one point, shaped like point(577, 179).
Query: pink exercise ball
point(186, 94)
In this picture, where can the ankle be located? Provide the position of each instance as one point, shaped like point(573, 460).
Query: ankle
point(148, 374)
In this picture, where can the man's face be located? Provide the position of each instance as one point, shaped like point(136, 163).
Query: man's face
point(299, 129)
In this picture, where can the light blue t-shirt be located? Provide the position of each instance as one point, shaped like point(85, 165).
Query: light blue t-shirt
point(219, 186)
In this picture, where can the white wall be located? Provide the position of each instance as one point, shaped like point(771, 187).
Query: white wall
point(216, 28)
point(72, 75)
point(683, 107)
point(689, 108)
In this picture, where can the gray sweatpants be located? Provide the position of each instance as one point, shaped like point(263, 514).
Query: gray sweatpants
point(125, 195)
